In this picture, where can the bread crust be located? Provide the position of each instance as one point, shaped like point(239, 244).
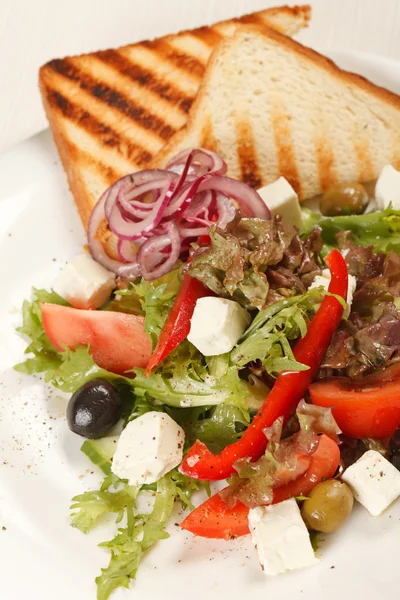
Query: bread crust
point(74, 157)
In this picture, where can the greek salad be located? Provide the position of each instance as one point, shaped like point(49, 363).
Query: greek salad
point(211, 332)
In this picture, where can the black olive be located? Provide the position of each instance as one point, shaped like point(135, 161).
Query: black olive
point(94, 408)
point(394, 449)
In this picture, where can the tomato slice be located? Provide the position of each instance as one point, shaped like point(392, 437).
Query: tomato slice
point(117, 340)
point(214, 519)
point(363, 407)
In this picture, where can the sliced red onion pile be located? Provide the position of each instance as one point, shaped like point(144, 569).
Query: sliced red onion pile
point(156, 214)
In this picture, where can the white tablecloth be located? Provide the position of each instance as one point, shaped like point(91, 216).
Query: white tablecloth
point(34, 31)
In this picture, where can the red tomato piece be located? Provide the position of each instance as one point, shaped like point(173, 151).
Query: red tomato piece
point(214, 519)
point(117, 340)
point(367, 407)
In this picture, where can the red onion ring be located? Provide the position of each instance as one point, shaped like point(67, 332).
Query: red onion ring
point(126, 270)
point(156, 214)
point(152, 261)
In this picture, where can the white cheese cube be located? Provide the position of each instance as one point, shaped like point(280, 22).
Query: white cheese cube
point(282, 200)
point(84, 283)
point(281, 537)
point(324, 281)
point(387, 189)
point(148, 448)
point(374, 481)
point(216, 325)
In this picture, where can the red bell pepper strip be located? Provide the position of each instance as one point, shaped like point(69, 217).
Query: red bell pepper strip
point(288, 390)
point(214, 519)
point(177, 325)
point(365, 407)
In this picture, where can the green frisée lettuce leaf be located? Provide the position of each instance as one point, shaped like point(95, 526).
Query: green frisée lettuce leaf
point(139, 532)
point(185, 380)
point(76, 367)
point(153, 300)
point(218, 427)
point(268, 337)
point(45, 357)
point(381, 229)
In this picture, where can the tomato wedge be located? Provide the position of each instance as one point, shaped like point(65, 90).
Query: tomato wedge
point(117, 340)
point(367, 407)
point(214, 519)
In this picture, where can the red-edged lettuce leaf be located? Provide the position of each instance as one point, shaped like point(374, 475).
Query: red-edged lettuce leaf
point(257, 262)
point(284, 460)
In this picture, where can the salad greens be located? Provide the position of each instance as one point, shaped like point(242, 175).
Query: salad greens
point(46, 358)
point(140, 530)
point(268, 337)
point(381, 229)
point(256, 262)
point(267, 267)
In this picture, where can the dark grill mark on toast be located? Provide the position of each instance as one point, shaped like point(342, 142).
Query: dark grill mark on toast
point(178, 58)
point(208, 35)
point(93, 126)
point(112, 98)
point(79, 156)
point(144, 77)
point(208, 140)
point(284, 147)
point(325, 160)
point(247, 155)
point(365, 164)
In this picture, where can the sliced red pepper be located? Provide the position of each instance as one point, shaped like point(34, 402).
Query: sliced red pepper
point(177, 325)
point(288, 390)
point(214, 519)
point(365, 407)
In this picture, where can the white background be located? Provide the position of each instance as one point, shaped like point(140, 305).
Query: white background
point(34, 31)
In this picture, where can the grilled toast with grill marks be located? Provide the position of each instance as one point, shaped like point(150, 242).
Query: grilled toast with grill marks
point(111, 112)
point(273, 107)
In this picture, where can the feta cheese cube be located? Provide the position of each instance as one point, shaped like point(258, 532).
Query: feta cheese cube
point(324, 281)
point(282, 200)
point(148, 448)
point(281, 537)
point(216, 325)
point(84, 283)
point(387, 189)
point(374, 481)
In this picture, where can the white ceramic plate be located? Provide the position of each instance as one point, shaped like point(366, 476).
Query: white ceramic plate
point(41, 467)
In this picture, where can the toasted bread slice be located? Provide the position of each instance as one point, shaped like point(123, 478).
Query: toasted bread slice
point(111, 112)
point(273, 107)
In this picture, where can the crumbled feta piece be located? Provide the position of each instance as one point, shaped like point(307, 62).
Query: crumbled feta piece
point(84, 283)
point(148, 448)
point(374, 481)
point(281, 537)
point(324, 281)
point(387, 189)
point(216, 325)
point(282, 200)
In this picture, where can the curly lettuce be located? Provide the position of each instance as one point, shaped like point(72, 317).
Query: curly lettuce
point(142, 529)
point(46, 359)
point(268, 337)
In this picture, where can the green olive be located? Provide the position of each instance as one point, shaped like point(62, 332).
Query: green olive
point(328, 506)
point(344, 199)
